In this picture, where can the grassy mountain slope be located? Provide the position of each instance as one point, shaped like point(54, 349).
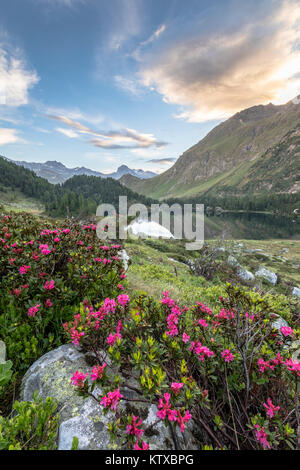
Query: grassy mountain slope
point(226, 155)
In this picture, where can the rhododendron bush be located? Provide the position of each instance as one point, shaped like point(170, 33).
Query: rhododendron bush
point(221, 372)
point(226, 374)
point(46, 270)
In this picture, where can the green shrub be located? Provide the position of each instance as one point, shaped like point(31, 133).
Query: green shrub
point(33, 427)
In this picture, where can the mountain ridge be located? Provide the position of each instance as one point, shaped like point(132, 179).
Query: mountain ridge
point(231, 147)
point(56, 172)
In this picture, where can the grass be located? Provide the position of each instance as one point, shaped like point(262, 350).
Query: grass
point(16, 201)
point(157, 266)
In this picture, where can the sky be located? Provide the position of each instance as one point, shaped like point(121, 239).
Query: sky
point(100, 83)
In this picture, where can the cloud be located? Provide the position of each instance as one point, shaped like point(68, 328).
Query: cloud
point(114, 139)
point(67, 132)
point(16, 79)
point(9, 136)
point(213, 75)
point(64, 3)
point(129, 85)
point(162, 161)
point(124, 25)
point(137, 53)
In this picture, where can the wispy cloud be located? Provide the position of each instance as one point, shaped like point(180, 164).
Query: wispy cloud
point(157, 33)
point(113, 139)
point(162, 161)
point(64, 3)
point(132, 86)
point(67, 132)
point(214, 75)
point(16, 78)
point(123, 25)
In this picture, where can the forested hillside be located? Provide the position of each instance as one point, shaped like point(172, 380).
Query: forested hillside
point(78, 195)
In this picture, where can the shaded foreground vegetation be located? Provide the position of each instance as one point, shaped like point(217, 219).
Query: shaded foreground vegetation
point(214, 365)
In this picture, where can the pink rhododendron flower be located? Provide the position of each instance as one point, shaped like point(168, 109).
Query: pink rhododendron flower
point(111, 339)
point(176, 387)
point(201, 351)
point(49, 285)
point(287, 331)
point(185, 338)
point(33, 310)
point(133, 428)
point(227, 355)
point(182, 420)
point(261, 436)
point(271, 409)
point(78, 379)
point(109, 305)
point(97, 371)
point(123, 299)
point(145, 446)
point(264, 365)
point(75, 335)
point(203, 323)
point(111, 400)
point(48, 303)
point(44, 248)
point(293, 366)
point(24, 269)
point(164, 407)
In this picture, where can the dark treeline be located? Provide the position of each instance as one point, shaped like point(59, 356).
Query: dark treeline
point(283, 203)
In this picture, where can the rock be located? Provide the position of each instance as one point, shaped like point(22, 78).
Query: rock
point(279, 323)
point(2, 352)
point(218, 210)
point(296, 291)
point(209, 210)
point(267, 275)
point(232, 261)
point(83, 417)
point(261, 256)
point(245, 275)
point(295, 347)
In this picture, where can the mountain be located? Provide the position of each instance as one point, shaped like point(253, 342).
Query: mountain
point(124, 170)
point(55, 172)
point(237, 156)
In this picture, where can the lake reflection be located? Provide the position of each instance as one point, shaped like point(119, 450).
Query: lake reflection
point(257, 226)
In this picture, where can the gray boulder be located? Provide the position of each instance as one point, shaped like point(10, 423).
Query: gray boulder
point(245, 275)
point(83, 417)
point(232, 261)
point(267, 275)
point(296, 291)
